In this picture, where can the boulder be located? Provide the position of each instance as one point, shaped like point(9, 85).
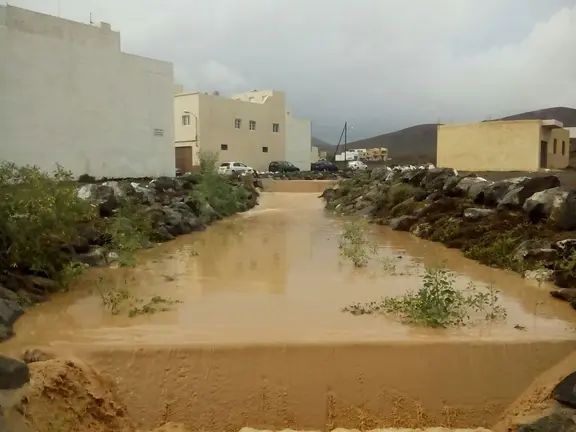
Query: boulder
point(477, 213)
point(496, 192)
point(414, 177)
point(534, 251)
point(462, 188)
point(544, 204)
point(162, 184)
point(13, 373)
point(436, 178)
point(102, 195)
point(402, 223)
point(380, 173)
point(565, 391)
point(566, 216)
point(517, 195)
point(566, 294)
point(555, 422)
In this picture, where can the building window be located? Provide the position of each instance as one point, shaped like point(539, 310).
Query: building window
point(224, 147)
point(563, 148)
point(275, 127)
point(555, 145)
point(237, 123)
point(252, 125)
point(186, 119)
point(264, 149)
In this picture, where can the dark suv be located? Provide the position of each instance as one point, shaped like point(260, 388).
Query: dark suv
point(282, 166)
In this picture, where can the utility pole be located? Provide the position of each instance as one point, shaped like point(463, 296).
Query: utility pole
point(345, 140)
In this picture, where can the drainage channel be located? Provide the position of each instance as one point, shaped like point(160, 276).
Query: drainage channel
point(258, 338)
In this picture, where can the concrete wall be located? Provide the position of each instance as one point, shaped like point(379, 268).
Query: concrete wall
point(68, 95)
point(298, 142)
point(490, 146)
point(217, 128)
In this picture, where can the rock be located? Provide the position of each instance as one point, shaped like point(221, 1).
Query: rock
point(103, 196)
point(94, 258)
point(450, 184)
point(329, 194)
point(533, 252)
point(122, 190)
point(477, 213)
point(436, 178)
point(464, 185)
point(162, 184)
point(422, 230)
point(7, 294)
point(566, 294)
point(541, 274)
point(402, 223)
point(494, 194)
point(477, 191)
point(10, 311)
point(36, 355)
point(380, 173)
point(517, 196)
point(45, 284)
point(161, 234)
point(414, 177)
point(566, 216)
point(545, 203)
point(555, 422)
point(565, 391)
point(13, 373)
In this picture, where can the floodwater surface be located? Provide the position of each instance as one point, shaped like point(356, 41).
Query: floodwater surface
point(275, 274)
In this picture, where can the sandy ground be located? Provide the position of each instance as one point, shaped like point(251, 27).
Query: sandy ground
point(66, 395)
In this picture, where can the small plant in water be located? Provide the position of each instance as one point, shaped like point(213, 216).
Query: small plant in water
point(118, 300)
point(437, 303)
point(354, 243)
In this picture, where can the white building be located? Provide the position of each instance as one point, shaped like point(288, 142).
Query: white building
point(253, 127)
point(69, 95)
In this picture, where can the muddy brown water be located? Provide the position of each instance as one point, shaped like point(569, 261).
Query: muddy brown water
point(259, 339)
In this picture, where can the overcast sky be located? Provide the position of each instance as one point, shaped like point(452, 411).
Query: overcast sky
point(381, 65)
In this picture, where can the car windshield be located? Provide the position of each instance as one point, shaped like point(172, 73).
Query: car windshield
point(225, 164)
point(289, 164)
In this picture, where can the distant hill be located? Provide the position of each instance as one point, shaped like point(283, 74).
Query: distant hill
point(417, 144)
point(565, 115)
point(322, 145)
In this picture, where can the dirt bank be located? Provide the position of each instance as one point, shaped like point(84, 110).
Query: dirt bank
point(522, 224)
point(67, 395)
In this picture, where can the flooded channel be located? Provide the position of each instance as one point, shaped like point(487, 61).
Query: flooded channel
point(257, 337)
point(275, 274)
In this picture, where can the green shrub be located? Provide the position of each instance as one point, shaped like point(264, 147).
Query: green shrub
point(436, 304)
point(355, 245)
point(224, 197)
point(400, 192)
point(39, 214)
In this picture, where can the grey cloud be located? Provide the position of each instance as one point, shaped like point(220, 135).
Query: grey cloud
point(380, 64)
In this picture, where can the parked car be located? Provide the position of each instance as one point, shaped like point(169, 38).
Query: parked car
point(282, 166)
point(323, 166)
point(227, 168)
point(357, 165)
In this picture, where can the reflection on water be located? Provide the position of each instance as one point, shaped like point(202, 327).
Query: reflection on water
point(275, 274)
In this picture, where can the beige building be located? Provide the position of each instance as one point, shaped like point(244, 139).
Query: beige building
point(519, 145)
point(254, 128)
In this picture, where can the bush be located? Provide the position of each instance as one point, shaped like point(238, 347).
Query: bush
point(214, 189)
point(39, 214)
point(436, 304)
point(355, 245)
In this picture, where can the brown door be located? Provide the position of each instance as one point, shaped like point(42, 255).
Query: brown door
point(543, 154)
point(184, 159)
